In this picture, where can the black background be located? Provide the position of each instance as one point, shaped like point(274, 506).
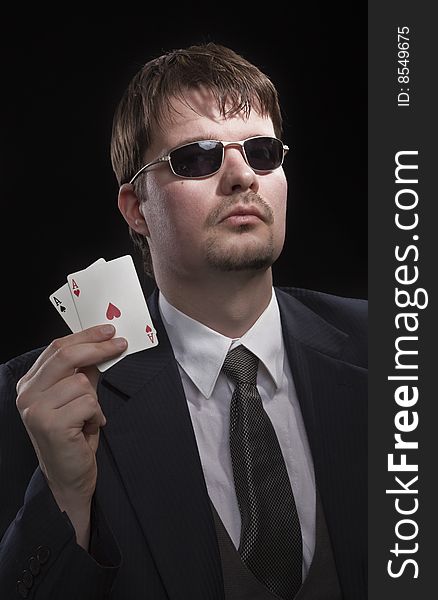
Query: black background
point(62, 79)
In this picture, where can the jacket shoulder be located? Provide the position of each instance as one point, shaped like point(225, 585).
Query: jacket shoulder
point(349, 315)
point(337, 310)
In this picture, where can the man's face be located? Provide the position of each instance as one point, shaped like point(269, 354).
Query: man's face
point(192, 232)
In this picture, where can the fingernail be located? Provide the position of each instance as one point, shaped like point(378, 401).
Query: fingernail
point(120, 342)
point(107, 329)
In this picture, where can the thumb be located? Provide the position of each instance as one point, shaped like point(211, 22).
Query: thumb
point(92, 373)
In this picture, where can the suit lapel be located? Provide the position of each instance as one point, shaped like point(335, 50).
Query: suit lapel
point(311, 344)
point(332, 395)
point(150, 434)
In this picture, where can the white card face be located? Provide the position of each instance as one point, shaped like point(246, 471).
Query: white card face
point(62, 300)
point(111, 293)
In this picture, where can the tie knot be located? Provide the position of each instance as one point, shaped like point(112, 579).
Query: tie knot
point(240, 365)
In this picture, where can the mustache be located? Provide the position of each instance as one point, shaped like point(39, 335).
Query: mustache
point(248, 198)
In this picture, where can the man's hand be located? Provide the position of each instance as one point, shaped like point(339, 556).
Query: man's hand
point(58, 404)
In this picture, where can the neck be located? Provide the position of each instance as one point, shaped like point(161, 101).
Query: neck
point(229, 304)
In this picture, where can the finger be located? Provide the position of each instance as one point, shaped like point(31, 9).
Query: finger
point(60, 393)
point(91, 334)
point(82, 411)
point(64, 391)
point(63, 364)
point(69, 358)
point(93, 375)
point(63, 423)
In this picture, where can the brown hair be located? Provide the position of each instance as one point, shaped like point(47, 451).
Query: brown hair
point(235, 83)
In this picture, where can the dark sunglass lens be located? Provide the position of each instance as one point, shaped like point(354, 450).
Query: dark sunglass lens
point(264, 153)
point(198, 159)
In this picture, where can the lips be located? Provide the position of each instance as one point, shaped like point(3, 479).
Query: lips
point(243, 211)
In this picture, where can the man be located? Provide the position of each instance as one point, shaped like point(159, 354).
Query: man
point(232, 457)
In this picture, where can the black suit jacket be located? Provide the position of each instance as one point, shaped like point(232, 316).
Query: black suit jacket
point(153, 534)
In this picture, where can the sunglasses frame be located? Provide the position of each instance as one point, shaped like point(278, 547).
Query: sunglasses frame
point(238, 144)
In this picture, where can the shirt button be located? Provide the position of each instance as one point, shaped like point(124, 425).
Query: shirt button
point(34, 565)
point(43, 554)
point(22, 589)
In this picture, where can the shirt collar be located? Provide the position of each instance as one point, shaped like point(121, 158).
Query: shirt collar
point(201, 351)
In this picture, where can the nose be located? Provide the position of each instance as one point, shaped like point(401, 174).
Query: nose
point(236, 175)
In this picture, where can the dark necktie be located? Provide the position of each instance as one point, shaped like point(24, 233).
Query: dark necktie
point(270, 538)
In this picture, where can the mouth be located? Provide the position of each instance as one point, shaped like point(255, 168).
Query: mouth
point(241, 215)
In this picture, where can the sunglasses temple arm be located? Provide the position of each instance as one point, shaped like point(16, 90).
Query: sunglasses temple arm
point(154, 162)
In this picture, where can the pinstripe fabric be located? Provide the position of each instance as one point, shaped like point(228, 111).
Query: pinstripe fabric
point(152, 506)
point(333, 398)
point(154, 449)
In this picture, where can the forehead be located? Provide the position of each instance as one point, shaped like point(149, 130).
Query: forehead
point(197, 115)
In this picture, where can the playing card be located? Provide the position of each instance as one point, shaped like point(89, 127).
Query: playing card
point(111, 293)
point(62, 300)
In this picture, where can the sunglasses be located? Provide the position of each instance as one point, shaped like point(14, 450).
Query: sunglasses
point(205, 157)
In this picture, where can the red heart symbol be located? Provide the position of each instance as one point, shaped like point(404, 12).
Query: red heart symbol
point(112, 312)
point(150, 333)
point(77, 292)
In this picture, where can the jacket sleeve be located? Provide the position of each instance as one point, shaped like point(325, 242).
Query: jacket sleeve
point(39, 556)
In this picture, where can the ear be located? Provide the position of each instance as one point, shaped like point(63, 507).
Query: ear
point(129, 206)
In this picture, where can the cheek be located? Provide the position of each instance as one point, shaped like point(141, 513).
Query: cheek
point(173, 214)
point(276, 194)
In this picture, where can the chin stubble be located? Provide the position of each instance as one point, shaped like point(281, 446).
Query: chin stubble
point(254, 257)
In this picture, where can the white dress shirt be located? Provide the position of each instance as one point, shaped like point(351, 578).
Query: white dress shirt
point(200, 353)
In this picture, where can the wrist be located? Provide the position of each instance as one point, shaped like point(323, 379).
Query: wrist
point(78, 509)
